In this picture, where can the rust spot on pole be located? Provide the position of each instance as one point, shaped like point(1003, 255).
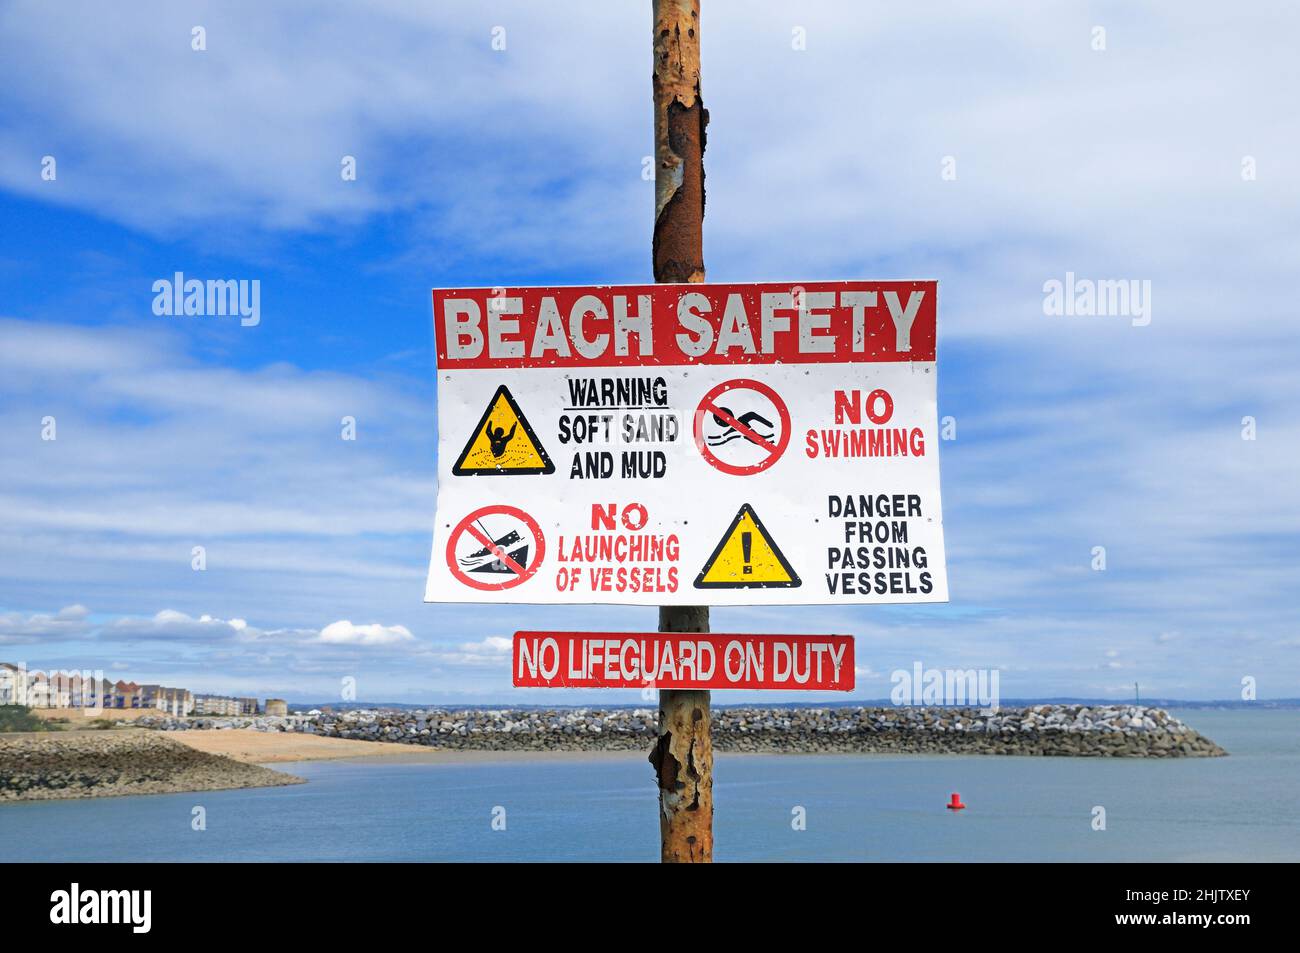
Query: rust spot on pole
point(683, 758)
point(680, 120)
point(683, 761)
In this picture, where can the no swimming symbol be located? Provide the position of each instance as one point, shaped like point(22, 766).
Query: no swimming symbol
point(742, 427)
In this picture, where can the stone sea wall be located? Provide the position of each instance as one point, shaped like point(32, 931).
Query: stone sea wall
point(1132, 731)
point(71, 764)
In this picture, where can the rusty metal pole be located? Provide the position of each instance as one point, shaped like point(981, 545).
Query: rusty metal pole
point(683, 755)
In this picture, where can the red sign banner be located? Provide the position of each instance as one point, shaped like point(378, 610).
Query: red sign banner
point(810, 322)
point(683, 660)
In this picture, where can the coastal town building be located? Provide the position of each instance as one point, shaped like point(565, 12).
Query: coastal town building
point(13, 684)
point(64, 687)
point(46, 692)
point(70, 689)
point(277, 706)
point(173, 701)
point(216, 705)
point(178, 702)
point(97, 693)
point(127, 695)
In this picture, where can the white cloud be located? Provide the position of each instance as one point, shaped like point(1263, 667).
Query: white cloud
point(492, 653)
point(344, 632)
point(492, 645)
point(171, 625)
point(40, 627)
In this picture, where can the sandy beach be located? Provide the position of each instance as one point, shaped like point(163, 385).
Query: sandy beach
point(76, 718)
point(273, 747)
point(277, 747)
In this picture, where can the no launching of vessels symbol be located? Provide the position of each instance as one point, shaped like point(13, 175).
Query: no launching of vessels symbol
point(495, 547)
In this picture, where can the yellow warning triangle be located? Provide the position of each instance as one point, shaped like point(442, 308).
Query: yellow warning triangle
point(747, 558)
point(503, 442)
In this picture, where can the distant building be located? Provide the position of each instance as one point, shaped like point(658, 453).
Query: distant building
point(221, 705)
point(77, 690)
point(13, 684)
point(178, 702)
point(173, 701)
point(277, 706)
point(46, 692)
point(38, 690)
point(127, 695)
point(68, 689)
point(97, 693)
point(64, 687)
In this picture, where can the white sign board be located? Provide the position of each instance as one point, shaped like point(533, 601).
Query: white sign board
point(757, 444)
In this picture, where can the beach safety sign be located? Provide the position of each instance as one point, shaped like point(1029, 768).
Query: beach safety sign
point(694, 444)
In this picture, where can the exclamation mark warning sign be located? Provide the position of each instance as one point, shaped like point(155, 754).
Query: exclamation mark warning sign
point(747, 557)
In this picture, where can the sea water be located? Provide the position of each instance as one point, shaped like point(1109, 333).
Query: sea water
point(768, 808)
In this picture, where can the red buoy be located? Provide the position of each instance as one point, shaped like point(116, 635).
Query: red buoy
point(955, 804)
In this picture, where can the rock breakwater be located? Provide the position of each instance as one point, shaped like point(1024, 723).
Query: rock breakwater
point(72, 764)
point(1133, 731)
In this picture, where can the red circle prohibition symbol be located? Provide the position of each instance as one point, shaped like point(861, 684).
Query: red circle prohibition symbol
point(709, 406)
point(521, 573)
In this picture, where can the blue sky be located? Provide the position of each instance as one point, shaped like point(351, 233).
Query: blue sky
point(481, 167)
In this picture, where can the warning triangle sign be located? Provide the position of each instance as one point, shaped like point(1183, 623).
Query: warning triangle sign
point(747, 558)
point(503, 442)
